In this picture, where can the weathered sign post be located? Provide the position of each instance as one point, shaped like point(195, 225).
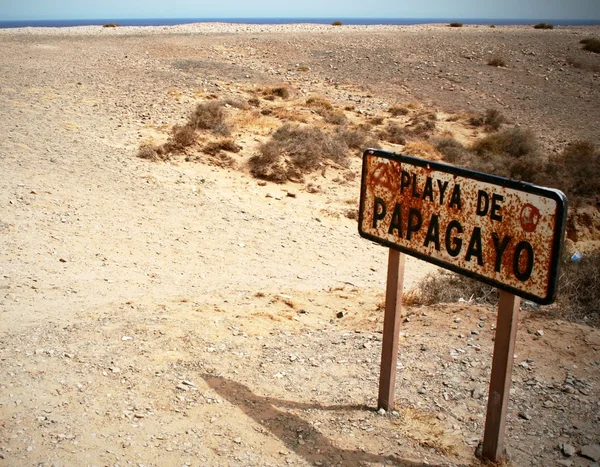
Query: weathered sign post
point(499, 231)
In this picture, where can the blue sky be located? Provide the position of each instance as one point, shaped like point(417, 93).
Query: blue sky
point(107, 9)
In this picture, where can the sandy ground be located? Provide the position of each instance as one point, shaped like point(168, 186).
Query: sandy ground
point(184, 314)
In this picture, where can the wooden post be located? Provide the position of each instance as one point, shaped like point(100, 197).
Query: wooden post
point(502, 364)
point(391, 329)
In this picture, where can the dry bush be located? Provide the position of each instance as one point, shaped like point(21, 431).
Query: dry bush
point(356, 138)
point(149, 152)
point(422, 149)
point(319, 103)
point(496, 61)
point(303, 68)
point(294, 150)
point(511, 153)
point(577, 297)
point(575, 171)
point(398, 110)
point(448, 287)
point(236, 103)
point(377, 120)
point(111, 25)
point(336, 23)
point(225, 144)
point(422, 128)
point(182, 137)
point(209, 116)
point(335, 117)
point(452, 150)
point(543, 26)
point(254, 102)
point(456, 25)
point(513, 143)
point(493, 119)
point(290, 115)
point(277, 91)
point(393, 134)
point(591, 44)
point(578, 292)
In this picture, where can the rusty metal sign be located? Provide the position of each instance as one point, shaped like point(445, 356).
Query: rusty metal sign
point(499, 231)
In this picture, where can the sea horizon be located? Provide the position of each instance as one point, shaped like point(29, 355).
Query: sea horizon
point(61, 23)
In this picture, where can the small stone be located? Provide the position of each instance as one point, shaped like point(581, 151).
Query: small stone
point(114, 369)
point(339, 314)
point(539, 333)
point(237, 440)
point(457, 320)
point(548, 404)
point(422, 391)
point(565, 462)
point(291, 195)
point(62, 260)
point(381, 411)
point(568, 450)
point(126, 338)
point(591, 451)
point(524, 416)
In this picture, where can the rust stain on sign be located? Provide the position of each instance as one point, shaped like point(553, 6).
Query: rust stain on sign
point(503, 232)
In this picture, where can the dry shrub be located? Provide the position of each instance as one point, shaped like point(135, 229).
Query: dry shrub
point(496, 61)
point(397, 110)
point(543, 26)
point(290, 115)
point(225, 144)
point(277, 91)
point(422, 128)
point(336, 23)
point(511, 153)
point(422, 149)
point(111, 25)
point(493, 119)
point(448, 287)
point(377, 120)
point(149, 152)
point(456, 25)
point(182, 137)
point(236, 103)
point(356, 138)
point(209, 116)
point(294, 150)
point(254, 102)
point(591, 44)
point(575, 171)
point(452, 150)
point(577, 297)
point(513, 143)
point(393, 134)
point(319, 103)
point(578, 292)
point(335, 117)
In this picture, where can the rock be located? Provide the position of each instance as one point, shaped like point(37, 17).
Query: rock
point(568, 450)
point(339, 314)
point(565, 462)
point(524, 416)
point(381, 411)
point(539, 333)
point(591, 451)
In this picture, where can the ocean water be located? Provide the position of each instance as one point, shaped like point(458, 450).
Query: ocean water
point(59, 23)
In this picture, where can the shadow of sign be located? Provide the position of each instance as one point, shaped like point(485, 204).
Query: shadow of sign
point(271, 414)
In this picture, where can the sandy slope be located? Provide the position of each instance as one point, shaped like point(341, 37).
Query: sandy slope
point(164, 314)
